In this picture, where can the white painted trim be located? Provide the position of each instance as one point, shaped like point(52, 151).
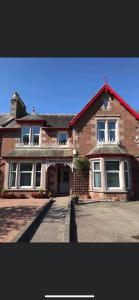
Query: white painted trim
point(59, 132)
point(128, 172)
point(106, 120)
point(112, 171)
point(98, 171)
point(30, 135)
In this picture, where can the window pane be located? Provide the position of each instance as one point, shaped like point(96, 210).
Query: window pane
point(13, 167)
point(111, 136)
point(101, 124)
point(96, 165)
point(36, 139)
point(125, 165)
point(97, 179)
point(38, 166)
point(25, 179)
point(113, 180)
point(111, 124)
point(25, 167)
point(25, 130)
point(126, 180)
point(26, 139)
point(101, 135)
point(62, 137)
point(112, 165)
point(38, 178)
point(36, 130)
point(13, 179)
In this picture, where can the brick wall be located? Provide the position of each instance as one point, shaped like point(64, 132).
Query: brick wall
point(86, 128)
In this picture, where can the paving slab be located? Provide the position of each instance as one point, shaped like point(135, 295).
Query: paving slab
point(108, 222)
point(52, 227)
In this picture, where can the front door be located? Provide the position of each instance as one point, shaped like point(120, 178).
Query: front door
point(64, 181)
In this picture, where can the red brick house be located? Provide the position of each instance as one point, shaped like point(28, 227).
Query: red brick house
point(40, 151)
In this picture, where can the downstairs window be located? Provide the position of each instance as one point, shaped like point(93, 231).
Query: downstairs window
point(112, 174)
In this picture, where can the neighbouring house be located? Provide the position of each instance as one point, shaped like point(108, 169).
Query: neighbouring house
point(41, 150)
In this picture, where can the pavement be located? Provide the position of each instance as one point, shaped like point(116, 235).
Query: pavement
point(52, 227)
point(108, 222)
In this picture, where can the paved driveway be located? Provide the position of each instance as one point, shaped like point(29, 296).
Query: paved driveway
point(108, 222)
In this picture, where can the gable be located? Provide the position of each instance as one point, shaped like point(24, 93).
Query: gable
point(105, 90)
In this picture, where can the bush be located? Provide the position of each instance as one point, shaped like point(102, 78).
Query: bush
point(39, 195)
point(83, 165)
point(22, 196)
point(8, 196)
point(49, 194)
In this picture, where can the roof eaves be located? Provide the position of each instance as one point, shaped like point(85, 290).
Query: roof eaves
point(105, 88)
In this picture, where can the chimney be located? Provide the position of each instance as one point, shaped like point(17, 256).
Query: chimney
point(18, 108)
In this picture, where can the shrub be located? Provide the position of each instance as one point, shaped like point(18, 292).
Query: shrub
point(38, 195)
point(49, 194)
point(74, 196)
point(8, 196)
point(83, 165)
point(21, 196)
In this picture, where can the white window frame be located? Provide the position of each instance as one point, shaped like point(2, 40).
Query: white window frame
point(128, 172)
point(59, 132)
point(32, 173)
point(98, 171)
point(114, 171)
point(30, 135)
point(106, 130)
point(37, 187)
point(10, 175)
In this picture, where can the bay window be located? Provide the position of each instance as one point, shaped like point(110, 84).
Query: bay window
point(38, 174)
point(30, 135)
point(126, 171)
point(26, 174)
point(13, 175)
point(107, 131)
point(96, 174)
point(112, 174)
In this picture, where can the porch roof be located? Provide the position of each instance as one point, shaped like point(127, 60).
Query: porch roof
point(108, 149)
point(25, 153)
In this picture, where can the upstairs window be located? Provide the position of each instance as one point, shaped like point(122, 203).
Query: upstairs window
point(101, 131)
point(35, 135)
point(30, 135)
point(26, 135)
point(62, 138)
point(107, 131)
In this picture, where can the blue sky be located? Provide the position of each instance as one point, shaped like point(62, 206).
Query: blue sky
point(65, 85)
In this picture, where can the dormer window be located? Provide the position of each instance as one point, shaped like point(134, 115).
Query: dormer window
point(62, 138)
point(35, 135)
point(30, 135)
point(26, 135)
